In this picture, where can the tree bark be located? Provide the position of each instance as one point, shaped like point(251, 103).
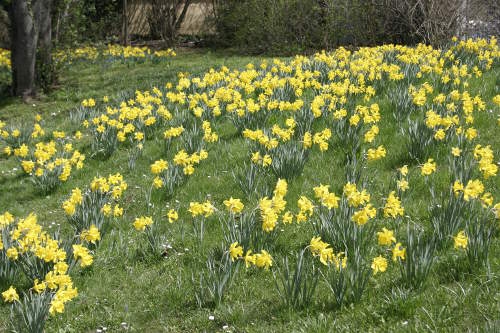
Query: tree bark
point(125, 32)
point(61, 20)
point(166, 17)
point(31, 46)
point(23, 51)
point(44, 67)
point(181, 17)
point(462, 19)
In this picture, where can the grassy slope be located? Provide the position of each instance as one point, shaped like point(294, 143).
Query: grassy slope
point(152, 295)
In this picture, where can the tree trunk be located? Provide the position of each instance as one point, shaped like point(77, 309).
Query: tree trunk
point(462, 19)
point(166, 17)
point(125, 38)
point(31, 42)
point(23, 51)
point(44, 66)
point(61, 20)
point(181, 17)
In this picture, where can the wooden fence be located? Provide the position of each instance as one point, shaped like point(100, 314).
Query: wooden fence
point(194, 23)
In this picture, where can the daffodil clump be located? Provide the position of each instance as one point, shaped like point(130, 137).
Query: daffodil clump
point(485, 161)
point(272, 210)
point(240, 224)
point(169, 176)
point(13, 137)
point(325, 253)
point(261, 259)
point(402, 182)
point(45, 262)
point(360, 200)
point(346, 222)
point(134, 52)
point(32, 249)
point(282, 149)
point(156, 241)
point(344, 219)
point(234, 206)
point(141, 223)
point(446, 110)
point(112, 52)
point(171, 133)
point(131, 122)
point(4, 58)
point(50, 163)
point(200, 211)
point(91, 211)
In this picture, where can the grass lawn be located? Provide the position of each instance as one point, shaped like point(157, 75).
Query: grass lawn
point(128, 289)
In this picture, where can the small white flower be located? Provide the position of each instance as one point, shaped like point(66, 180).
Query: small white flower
point(211, 317)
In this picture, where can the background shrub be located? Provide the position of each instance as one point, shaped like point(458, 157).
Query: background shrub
point(291, 26)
